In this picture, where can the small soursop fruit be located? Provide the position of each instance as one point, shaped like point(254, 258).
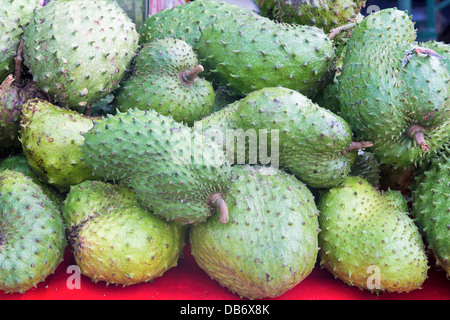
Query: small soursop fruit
point(431, 207)
point(114, 239)
point(172, 170)
point(368, 240)
point(79, 50)
point(32, 234)
point(51, 139)
point(270, 244)
point(165, 78)
point(368, 167)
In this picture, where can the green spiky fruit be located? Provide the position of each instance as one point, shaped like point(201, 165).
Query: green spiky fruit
point(288, 130)
point(404, 105)
point(19, 163)
point(368, 167)
point(114, 239)
point(166, 78)
point(10, 34)
point(324, 14)
point(270, 244)
point(32, 235)
point(10, 112)
point(79, 50)
point(250, 53)
point(368, 240)
point(173, 172)
point(431, 207)
point(51, 137)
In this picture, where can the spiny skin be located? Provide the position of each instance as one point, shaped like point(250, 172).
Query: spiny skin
point(114, 239)
point(159, 82)
point(324, 14)
point(79, 50)
point(368, 167)
point(367, 235)
point(51, 137)
point(270, 244)
point(19, 163)
point(21, 10)
point(431, 207)
point(311, 141)
point(172, 171)
point(250, 52)
point(394, 98)
point(10, 34)
point(32, 235)
point(10, 111)
point(186, 22)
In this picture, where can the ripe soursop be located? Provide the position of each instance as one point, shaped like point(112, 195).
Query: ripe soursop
point(165, 78)
point(171, 169)
point(51, 139)
point(368, 240)
point(32, 234)
point(79, 50)
point(270, 244)
point(114, 239)
point(431, 207)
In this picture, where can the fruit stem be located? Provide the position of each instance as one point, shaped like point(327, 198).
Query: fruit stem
point(416, 132)
point(217, 201)
point(356, 145)
point(188, 76)
point(337, 31)
point(6, 84)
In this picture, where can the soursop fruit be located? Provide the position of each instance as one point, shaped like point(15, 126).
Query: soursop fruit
point(173, 171)
point(403, 106)
point(368, 240)
point(270, 244)
point(368, 167)
point(79, 50)
point(324, 14)
point(114, 239)
point(166, 78)
point(51, 139)
point(285, 129)
point(32, 234)
point(431, 207)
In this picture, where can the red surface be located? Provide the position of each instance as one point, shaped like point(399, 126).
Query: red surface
point(188, 282)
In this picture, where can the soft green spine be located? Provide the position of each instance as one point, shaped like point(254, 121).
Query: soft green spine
point(270, 244)
point(431, 207)
point(32, 233)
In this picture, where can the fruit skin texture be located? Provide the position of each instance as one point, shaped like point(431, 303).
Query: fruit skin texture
point(270, 243)
point(78, 51)
point(251, 52)
point(362, 229)
point(395, 98)
point(51, 137)
point(312, 142)
point(173, 172)
point(431, 207)
point(32, 235)
point(160, 81)
point(114, 239)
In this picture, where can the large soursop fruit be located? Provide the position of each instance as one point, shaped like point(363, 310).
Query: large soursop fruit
point(270, 244)
point(368, 240)
point(114, 239)
point(394, 92)
point(431, 207)
point(172, 170)
point(79, 50)
point(32, 234)
point(165, 78)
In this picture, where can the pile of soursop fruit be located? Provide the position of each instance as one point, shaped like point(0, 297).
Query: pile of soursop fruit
point(126, 145)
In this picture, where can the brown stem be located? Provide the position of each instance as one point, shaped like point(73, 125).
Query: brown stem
point(188, 76)
point(217, 201)
point(6, 84)
point(416, 132)
point(356, 145)
point(18, 62)
point(337, 31)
